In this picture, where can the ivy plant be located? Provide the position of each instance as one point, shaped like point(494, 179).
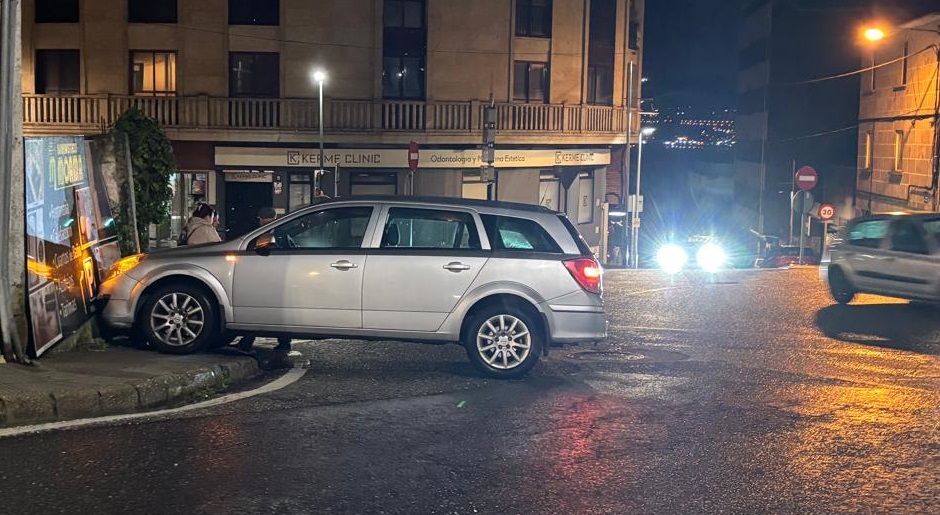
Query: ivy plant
point(153, 165)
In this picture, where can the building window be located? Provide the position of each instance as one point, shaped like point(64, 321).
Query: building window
point(404, 49)
point(57, 72)
point(530, 82)
point(634, 35)
point(403, 77)
point(549, 191)
point(151, 11)
point(869, 150)
point(904, 60)
point(585, 207)
point(603, 29)
point(534, 18)
point(600, 85)
point(371, 183)
point(253, 12)
point(254, 74)
point(56, 11)
point(153, 73)
point(898, 150)
point(404, 14)
point(474, 187)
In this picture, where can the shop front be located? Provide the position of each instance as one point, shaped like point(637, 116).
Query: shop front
point(572, 181)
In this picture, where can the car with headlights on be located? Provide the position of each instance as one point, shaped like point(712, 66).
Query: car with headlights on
point(896, 255)
point(698, 252)
point(504, 280)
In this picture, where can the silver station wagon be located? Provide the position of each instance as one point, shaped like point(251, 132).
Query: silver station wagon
point(504, 280)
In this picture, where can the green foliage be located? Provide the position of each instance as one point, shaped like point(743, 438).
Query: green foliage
point(154, 165)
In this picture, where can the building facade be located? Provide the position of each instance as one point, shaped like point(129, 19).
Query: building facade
point(231, 83)
point(898, 116)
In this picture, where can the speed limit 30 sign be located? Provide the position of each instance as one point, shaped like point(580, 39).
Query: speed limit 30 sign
point(827, 212)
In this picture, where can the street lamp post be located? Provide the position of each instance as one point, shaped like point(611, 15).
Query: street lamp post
point(319, 76)
point(646, 131)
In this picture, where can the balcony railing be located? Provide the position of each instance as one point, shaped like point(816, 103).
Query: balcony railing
point(97, 112)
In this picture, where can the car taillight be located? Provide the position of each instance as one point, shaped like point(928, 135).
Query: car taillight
point(587, 272)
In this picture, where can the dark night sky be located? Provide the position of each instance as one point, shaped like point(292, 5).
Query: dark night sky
point(690, 51)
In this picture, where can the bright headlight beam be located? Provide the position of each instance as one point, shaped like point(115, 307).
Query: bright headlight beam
point(672, 258)
point(711, 258)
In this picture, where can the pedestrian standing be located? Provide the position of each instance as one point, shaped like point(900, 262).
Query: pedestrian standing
point(199, 228)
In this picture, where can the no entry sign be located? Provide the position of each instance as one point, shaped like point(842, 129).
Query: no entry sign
point(413, 156)
point(806, 178)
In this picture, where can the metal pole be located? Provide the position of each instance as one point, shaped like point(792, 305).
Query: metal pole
point(802, 230)
point(636, 204)
point(792, 188)
point(7, 333)
point(316, 182)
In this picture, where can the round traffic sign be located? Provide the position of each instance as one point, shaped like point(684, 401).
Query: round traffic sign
point(806, 178)
point(413, 156)
point(827, 212)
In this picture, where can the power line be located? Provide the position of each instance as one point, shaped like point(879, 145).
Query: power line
point(861, 71)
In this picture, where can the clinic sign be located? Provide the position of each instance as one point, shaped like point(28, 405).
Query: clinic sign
point(267, 158)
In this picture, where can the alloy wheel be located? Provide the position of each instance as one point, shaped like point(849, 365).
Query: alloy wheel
point(177, 319)
point(504, 342)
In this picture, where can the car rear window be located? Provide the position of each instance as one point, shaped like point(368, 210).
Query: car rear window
point(518, 234)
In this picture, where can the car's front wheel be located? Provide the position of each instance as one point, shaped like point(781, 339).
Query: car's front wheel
point(504, 342)
point(840, 287)
point(179, 319)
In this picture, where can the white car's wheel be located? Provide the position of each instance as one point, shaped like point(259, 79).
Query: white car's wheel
point(504, 342)
point(179, 319)
point(840, 287)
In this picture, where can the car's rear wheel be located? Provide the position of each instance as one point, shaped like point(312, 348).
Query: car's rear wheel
point(504, 342)
point(840, 287)
point(179, 318)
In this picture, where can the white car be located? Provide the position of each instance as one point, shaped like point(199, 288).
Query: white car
point(897, 255)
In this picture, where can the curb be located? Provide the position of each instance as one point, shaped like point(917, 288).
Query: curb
point(59, 402)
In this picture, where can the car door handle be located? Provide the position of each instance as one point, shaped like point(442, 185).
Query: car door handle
point(344, 265)
point(456, 267)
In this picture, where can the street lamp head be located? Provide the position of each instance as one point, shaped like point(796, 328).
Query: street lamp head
point(874, 34)
point(646, 131)
point(319, 76)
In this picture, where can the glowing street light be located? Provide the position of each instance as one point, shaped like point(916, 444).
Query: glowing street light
point(874, 34)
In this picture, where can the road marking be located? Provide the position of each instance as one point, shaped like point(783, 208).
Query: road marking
point(654, 290)
point(287, 379)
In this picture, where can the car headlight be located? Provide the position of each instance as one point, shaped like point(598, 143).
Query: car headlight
point(122, 266)
point(711, 258)
point(672, 258)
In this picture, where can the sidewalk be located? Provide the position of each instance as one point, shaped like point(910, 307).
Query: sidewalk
point(114, 381)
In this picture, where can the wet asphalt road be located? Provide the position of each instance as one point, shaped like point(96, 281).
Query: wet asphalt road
point(750, 395)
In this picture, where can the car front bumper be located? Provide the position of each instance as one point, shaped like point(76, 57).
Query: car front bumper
point(115, 295)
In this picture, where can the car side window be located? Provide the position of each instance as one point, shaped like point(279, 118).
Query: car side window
point(409, 228)
point(510, 233)
point(338, 228)
point(868, 233)
point(907, 236)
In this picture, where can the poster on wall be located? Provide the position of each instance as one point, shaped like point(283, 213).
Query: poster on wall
point(71, 241)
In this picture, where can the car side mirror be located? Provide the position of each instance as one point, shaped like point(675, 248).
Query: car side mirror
point(264, 244)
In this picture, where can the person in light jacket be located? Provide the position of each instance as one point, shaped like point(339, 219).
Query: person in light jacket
point(200, 229)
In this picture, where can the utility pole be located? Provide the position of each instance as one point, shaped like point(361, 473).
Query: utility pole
point(487, 170)
point(12, 216)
